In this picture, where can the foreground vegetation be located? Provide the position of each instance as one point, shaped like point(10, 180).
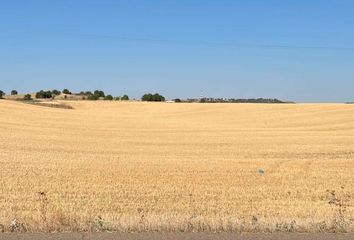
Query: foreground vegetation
point(129, 166)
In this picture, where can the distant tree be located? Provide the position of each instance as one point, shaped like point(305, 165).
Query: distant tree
point(158, 98)
point(88, 93)
point(14, 92)
point(2, 94)
point(124, 98)
point(153, 97)
point(99, 93)
point(27, 97)
point(66, 91)
point(92, 97)
point(147, 97)
point(177, 100)
point(44, 94)
point(56, 92)
point(117, 98)
point(108, 97)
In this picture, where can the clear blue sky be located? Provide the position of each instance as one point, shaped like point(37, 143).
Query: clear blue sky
point(180, 48)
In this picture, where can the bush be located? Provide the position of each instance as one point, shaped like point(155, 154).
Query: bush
point(14, 92)
point(178, 100)
point(2, 94)
point(108, 97)
point(44, 94)
point(66, 91)
point(27, 97)
point(153, 97)
point(124, 98)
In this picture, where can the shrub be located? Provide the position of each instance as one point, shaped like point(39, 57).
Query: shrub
point(1, 94)
point(153, 97)
point(14, 92)
point(124, 98)
point(178, 100)
point(27, 97)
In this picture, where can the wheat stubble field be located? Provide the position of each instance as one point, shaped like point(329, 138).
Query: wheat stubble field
point(113, 166)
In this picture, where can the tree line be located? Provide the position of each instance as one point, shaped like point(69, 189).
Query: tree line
point(95, 95)
point(148, 97)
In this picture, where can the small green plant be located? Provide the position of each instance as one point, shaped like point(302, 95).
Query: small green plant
point(14, 92)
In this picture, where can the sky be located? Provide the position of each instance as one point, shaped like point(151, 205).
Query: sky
point(296, 50)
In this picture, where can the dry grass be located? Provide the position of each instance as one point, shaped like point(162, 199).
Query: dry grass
point(176, 167)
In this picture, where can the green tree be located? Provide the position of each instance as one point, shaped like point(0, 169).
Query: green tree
point(153, 97)
point(177, 100)
point(66, 91)
point(44, 94)
point(99, 93)
point(124, 98)
point(27, 97)
point(147, 97)
point(56, 92)
point(2, 94)
point(14, 92)
point(92, 97)
point(108, 97)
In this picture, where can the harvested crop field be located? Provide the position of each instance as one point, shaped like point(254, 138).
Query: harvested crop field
point(116, 166)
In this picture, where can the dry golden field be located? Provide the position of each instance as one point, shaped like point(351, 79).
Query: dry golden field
point(176, 167)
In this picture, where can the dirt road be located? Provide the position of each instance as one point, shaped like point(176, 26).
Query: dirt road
point(174, 236)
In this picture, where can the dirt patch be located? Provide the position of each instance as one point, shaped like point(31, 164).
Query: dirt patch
point(49, 104)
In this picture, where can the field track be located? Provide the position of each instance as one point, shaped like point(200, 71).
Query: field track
point(116, 166)
point(176, 236)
